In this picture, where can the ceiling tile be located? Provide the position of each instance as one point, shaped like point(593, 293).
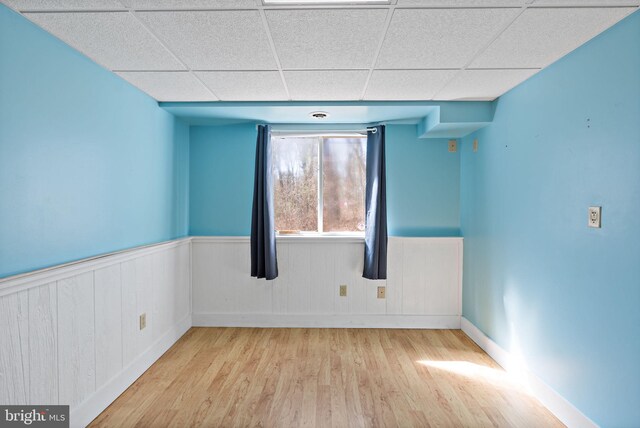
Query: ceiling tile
point(439, 38)
point(539, 37)
point(47, 5)
point(406, 84)
point(116, 40)
point(326, 85)
point(483, 84)
point(214, 40)
point(245, 85)
point(190, 4)
point(586, 3)
point(169, 86)
point(326, 38)
point(462, 3)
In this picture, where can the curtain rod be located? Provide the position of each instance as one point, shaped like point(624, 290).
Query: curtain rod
point(320, 131)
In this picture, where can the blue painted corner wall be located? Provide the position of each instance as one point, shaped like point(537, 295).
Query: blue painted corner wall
point(423, 185)
point(88, 163)
point(422, 182)
point(537, 280)
point(221, 169)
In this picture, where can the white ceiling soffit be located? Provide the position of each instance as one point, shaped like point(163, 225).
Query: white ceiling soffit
point(242, 50)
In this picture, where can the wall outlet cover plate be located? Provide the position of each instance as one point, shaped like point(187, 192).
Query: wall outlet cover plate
point(595, 217)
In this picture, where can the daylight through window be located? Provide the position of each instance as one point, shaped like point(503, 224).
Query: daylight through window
point(319, 183)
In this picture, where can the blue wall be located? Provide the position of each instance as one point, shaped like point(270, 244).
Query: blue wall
point(422, 182)
point(88, 164)
point(423, 185)
point(537, 280)
point(221, 177)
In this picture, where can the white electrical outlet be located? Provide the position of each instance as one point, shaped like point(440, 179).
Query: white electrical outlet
point(595, 219)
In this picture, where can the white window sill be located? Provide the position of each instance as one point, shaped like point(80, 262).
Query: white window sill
point(320, 237)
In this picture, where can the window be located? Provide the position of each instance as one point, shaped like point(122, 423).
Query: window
point(319, 183)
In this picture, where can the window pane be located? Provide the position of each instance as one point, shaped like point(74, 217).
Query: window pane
point(295, 182)
point(344, 184)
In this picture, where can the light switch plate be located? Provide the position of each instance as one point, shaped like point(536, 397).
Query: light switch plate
point(453, 146)
point(475, 145)
point(143, 321)
point(595, 217)
point(382, 292)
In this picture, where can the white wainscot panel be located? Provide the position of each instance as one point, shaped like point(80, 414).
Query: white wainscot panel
point(422, 290)
point(14, 347)
point(43, 343)
point(76, 335)
point(108, 304)
point(70, 334)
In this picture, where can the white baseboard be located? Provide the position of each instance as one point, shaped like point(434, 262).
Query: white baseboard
point(87, 411)
point(557, 404)
point(326, 321)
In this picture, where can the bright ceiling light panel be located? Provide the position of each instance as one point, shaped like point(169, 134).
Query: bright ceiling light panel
point(303, 2)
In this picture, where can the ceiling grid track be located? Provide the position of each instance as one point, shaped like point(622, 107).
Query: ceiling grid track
point(164, 45)
point(387, 24)
point(481, 50)
point(272, 44)
point(473, 58)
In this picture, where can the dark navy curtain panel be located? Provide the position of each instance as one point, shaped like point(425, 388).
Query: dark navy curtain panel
point(264, 263)
point(375, 240)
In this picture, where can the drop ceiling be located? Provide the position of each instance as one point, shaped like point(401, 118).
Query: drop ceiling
point(243, 50)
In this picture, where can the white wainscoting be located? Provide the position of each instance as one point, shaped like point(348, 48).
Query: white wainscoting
point(69, 334)
point(568, 414)
point(423, 289)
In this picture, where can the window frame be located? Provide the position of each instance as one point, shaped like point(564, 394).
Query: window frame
point(320, 200)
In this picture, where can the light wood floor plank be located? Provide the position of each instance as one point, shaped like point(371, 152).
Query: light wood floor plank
point(250, 377)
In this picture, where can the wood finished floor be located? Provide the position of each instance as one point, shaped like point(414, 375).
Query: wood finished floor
point(244, 377)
